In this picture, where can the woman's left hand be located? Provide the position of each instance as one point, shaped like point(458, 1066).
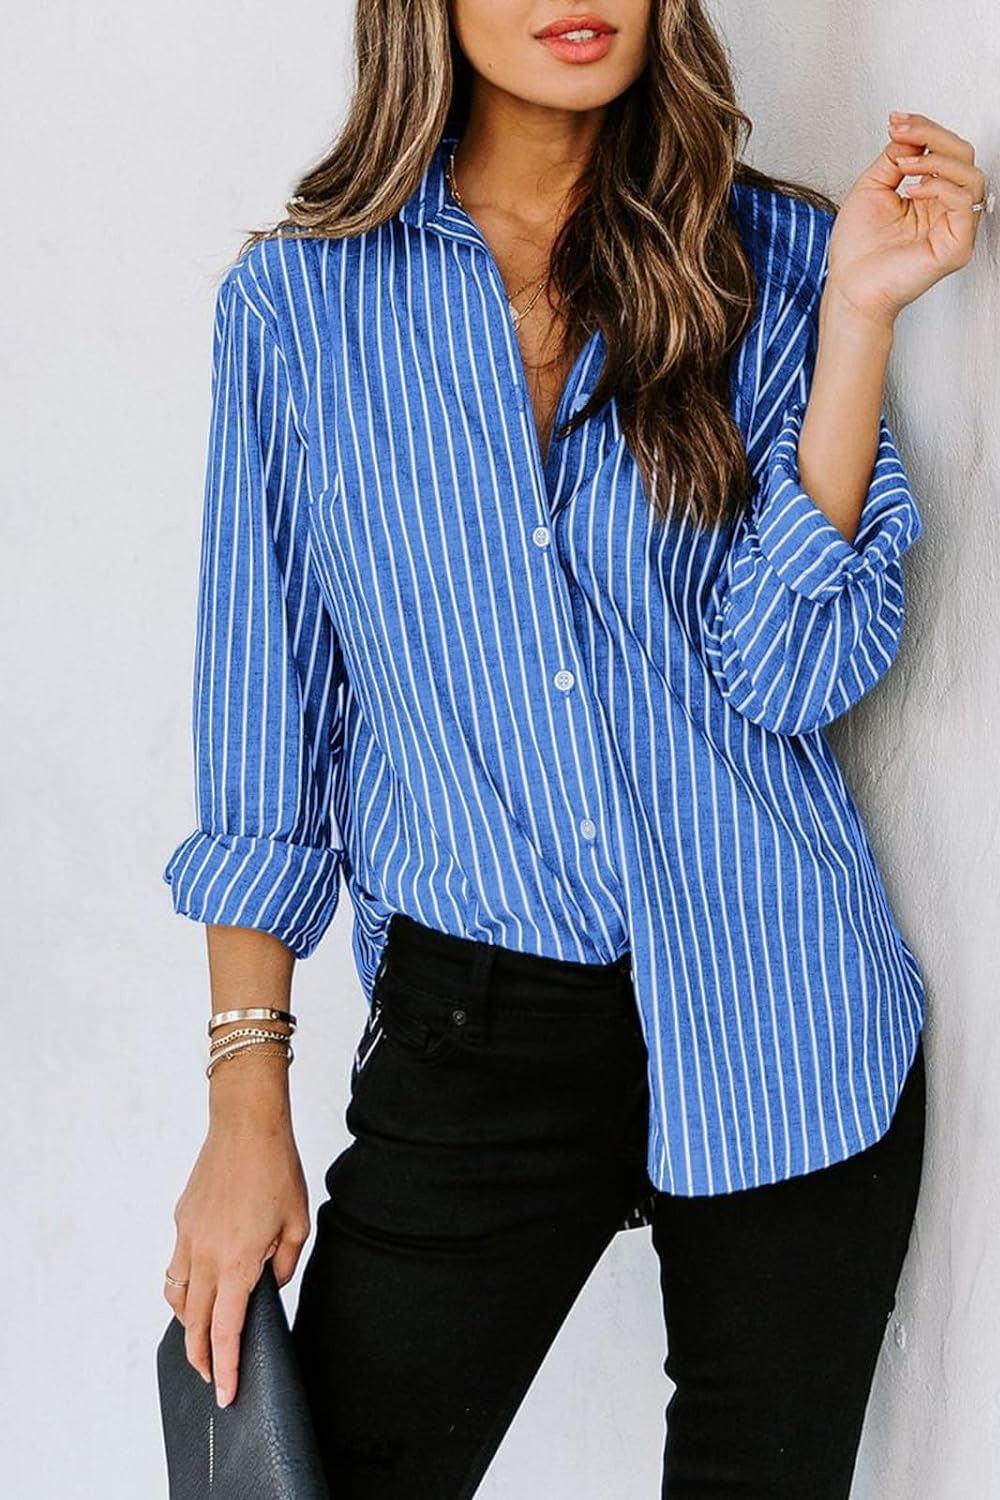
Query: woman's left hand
point(886, 249)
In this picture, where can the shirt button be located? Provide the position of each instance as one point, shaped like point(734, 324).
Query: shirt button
point(540, 536)
point(564, 680)
point(459, 1017)
point(588, 828)
point(581, 400)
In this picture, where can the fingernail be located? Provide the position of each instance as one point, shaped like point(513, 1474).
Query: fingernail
point(220, 1399)
point(898, 114)
point(205, 1377)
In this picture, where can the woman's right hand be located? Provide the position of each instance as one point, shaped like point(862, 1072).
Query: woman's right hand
point(245, 1201)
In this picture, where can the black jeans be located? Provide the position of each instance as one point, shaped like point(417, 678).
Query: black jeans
point(499, 1139)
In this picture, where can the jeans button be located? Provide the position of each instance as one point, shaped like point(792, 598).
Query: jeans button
point(459, 1017)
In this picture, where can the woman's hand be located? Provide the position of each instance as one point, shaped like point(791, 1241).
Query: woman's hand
point(245, 1201)
point(886, 249)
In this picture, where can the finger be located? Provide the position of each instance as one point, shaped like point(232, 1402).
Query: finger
point(176, 1296)
point(198, 1319)
point(884, 170)
point(177, 1267)
point(953, 197)
point(228, 1317)
point(919, 130)
point(950, 167)
point(957, 203)
point(285, 1258)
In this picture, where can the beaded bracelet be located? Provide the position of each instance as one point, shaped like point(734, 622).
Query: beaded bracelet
point(247, 1042)
point(262, 1031)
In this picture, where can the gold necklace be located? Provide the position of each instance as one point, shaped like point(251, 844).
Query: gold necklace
point(516, 314)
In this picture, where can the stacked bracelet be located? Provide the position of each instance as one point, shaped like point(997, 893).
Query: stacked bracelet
point(242, 1038)
point(251, 1013)
point(256, 1041)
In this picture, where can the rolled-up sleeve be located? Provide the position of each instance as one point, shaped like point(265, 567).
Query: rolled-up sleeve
point(267, 666)
point(800, 622)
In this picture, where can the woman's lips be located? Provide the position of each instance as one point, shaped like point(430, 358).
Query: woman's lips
point(577, 39)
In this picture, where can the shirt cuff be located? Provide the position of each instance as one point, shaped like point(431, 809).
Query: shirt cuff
point(799, 540)
point(288, 890)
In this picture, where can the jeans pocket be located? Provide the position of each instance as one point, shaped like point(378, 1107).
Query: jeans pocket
point(415, 1023)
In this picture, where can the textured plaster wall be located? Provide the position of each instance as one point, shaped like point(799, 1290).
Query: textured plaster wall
point(138, 143)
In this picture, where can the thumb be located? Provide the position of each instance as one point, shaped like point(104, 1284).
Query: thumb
point(885, 171)
point(284, 1258)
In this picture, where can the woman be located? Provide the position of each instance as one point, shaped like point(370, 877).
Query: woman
point(551, 515)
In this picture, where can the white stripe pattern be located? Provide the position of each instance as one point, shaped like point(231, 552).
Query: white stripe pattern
point(494, 693)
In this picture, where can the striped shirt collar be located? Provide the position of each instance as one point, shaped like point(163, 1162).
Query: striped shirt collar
point(431, 206)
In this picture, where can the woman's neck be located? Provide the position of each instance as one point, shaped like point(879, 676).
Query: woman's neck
point(521, 164)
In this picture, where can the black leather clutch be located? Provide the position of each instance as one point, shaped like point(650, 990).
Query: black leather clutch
point(262, 1446)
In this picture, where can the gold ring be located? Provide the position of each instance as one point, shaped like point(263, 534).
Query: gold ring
point(172, 1280)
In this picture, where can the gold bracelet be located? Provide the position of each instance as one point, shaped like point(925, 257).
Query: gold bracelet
point(239, 1046)
point(264, 1031)
point(242, 1046)
point(250, 1013)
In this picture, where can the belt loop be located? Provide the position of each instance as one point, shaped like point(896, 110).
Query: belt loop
point(479, 982)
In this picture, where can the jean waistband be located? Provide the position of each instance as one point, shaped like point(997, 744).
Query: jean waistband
point(441, 961)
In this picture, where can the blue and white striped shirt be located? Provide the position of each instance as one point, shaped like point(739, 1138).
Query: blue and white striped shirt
point(494, 693)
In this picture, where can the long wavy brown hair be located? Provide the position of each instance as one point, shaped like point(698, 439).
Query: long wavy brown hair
point(650, 252)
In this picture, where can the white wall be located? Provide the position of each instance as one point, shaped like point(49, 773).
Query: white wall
point(138, 144)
